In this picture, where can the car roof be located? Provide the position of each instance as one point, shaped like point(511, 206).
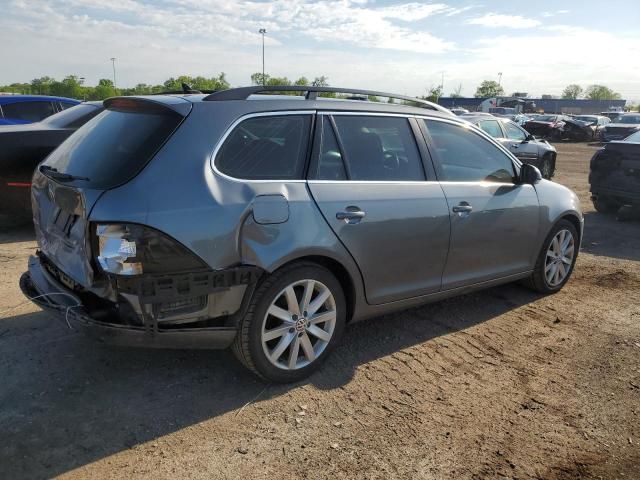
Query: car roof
point(7, 99)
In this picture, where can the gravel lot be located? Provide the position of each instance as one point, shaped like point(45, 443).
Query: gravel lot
point(499, 384)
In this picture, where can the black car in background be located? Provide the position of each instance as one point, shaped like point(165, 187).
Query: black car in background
point(621, 127)
point(23, 147)
point(614, 176)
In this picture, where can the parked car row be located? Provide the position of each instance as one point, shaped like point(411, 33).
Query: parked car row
point(604, 127)
point(325, 212)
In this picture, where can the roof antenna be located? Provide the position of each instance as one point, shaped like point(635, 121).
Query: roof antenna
point(186, 88)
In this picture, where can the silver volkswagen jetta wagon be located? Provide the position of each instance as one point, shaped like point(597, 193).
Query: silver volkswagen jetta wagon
point(268, 222)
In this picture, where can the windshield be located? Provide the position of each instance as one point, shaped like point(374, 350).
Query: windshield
point(629, 119)
point(634, 137)
point(113, 147)
point(545, 118)
point(586, 118)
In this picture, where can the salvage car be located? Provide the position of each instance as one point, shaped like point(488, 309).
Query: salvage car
point(522, 144)
point(584, 127)
point(19, 109)
point(23, 147)
point(614, 175)
point(596, 124)
point(546, 126)
point(622, 127)
point(267, 225)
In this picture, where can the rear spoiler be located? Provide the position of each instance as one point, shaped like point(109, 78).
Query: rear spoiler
point(156, 104)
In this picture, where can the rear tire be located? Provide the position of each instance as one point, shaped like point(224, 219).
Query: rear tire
point(294, 319)
point(546, 168)
point(556, 259)
point(605, 205)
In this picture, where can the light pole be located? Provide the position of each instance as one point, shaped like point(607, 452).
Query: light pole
point(84, 93)
point(113, 63)
point(263, 31)
point(499, 78)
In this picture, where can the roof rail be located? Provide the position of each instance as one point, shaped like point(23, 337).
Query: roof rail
point(311, 93)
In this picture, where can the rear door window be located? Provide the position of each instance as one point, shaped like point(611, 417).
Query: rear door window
point(28, 111)
point(266, 148)
point(114, 146)
point(65, 105)
point(465, 156)
point(514, 132)
point(379, 148)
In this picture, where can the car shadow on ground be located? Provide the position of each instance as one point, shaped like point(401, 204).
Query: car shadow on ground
point(16, 233)
point(67, 401)
point(613, 235)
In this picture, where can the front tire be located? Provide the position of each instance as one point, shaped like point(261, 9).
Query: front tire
point(546, 169)
point(556, 260)
point(294, 320)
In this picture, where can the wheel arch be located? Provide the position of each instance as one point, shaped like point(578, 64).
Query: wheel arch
point(341, 273)
point(575, 220)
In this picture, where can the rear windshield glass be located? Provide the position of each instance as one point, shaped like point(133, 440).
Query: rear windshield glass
point(113, 147)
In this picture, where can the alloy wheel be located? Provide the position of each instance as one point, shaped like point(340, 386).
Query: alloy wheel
point(299, 324)
point(559, 259)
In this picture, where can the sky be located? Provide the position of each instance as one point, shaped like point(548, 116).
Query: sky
point(399, 46)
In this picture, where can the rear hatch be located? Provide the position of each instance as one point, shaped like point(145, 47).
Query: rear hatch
point(105, 153)
point(618, 131)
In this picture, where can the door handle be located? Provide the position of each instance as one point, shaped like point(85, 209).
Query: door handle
point(462, 208)
point(515, 145)
point(351, 215)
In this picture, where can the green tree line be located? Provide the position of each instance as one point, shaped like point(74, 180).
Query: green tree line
point(73, 86)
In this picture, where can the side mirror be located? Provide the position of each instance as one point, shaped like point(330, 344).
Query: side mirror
point(529, 175)
point(529, 138)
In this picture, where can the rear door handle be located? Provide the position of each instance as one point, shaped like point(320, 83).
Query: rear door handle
point(351, 215)
point(462, 208)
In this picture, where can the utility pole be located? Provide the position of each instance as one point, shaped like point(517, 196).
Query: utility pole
point(499, 78)
point(84, 93)
point(262, 31)
point(113, 63)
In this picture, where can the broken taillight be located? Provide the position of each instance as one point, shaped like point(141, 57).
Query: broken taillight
point(132, 249)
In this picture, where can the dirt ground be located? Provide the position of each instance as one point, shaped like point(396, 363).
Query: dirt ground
point(499, 384)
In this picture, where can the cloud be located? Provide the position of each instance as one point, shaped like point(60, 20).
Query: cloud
point(400, 47)
point(497, 20)
point(553, 14)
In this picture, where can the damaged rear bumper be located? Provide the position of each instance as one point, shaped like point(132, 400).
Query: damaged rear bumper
point(46, 291)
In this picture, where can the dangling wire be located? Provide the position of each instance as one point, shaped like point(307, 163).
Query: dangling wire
point(57, 307)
